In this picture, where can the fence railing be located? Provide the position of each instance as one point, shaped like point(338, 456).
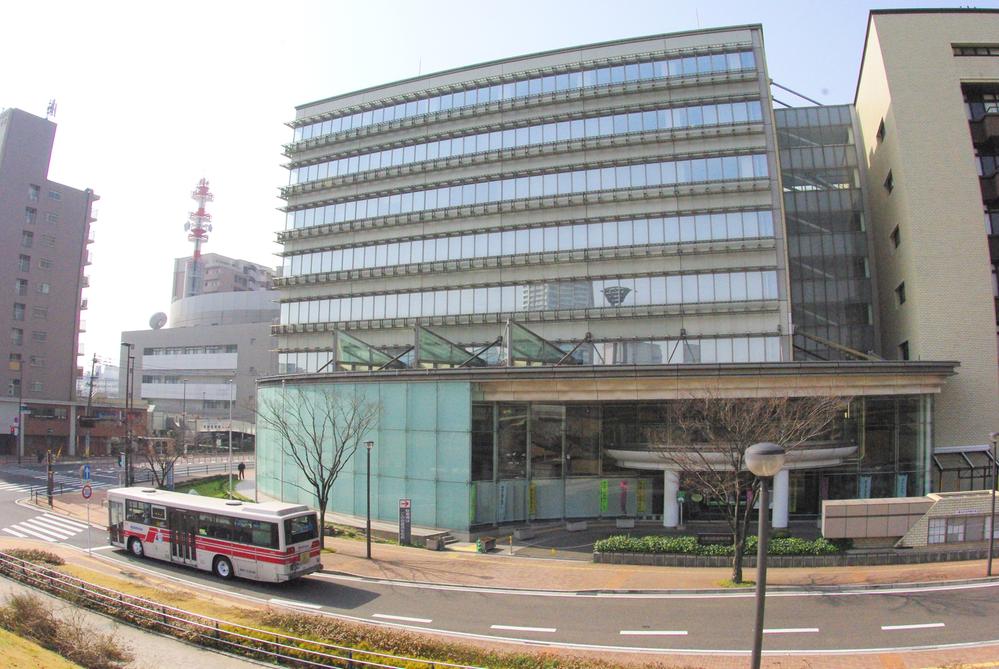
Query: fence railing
point(205, 630)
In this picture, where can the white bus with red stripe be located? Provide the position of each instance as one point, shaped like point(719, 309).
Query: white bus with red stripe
point(271, 541)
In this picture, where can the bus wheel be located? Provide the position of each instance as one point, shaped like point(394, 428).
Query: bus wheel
point(222, 568)
point(135, 546)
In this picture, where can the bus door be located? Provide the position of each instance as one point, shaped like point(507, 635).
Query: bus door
point(116, 518)
point(183, 530)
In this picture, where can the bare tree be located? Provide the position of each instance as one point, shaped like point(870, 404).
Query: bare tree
point(707, 440)
point(159, 456)
point(319, 430)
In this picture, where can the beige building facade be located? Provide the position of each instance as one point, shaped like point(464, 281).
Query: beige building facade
point(927, 184)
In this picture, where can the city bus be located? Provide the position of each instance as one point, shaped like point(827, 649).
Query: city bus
point(271, 541)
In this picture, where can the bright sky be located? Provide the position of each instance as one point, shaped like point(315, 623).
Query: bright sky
point(153, 97)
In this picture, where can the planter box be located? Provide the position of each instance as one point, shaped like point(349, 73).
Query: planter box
point(863, 559)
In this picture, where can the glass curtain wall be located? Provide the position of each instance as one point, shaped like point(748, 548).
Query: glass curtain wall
point(831, 292)
point(546, 461)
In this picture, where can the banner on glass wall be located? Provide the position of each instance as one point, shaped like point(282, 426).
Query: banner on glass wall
point(603, 496)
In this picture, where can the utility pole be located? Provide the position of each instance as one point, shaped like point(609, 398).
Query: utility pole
point(89, 423)
point(50, 475)
point(129, 380)
point(20, 410)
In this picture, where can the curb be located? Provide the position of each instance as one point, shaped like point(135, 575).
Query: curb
point(742, 592)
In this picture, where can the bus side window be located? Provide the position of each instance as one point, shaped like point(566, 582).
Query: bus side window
point(205, 524)
point(265, 534)
point(222, 528)
point(137, 512)
point(243, 531)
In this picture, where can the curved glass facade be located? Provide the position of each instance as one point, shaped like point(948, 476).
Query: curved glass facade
point(546, 296)
point(577, 237)
point(728, 113)
point(688, 66)
point(641, 175)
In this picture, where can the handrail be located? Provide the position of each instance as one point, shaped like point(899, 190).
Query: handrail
point(205, 630)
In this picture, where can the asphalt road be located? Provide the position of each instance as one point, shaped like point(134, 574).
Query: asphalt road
point(847, 621)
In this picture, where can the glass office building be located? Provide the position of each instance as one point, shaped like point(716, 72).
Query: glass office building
point(523, 262)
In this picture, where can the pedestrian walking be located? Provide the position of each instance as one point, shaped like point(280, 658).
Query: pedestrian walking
point(242, 470)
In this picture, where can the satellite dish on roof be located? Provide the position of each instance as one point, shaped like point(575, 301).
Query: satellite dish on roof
point(158, 320)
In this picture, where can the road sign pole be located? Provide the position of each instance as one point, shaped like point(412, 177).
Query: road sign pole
point(89, 551)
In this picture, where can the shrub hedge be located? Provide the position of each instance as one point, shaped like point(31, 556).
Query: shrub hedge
point(687, 545)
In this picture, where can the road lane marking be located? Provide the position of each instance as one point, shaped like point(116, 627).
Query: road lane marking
point(66, 521)
point(44, 529)
point(15, 533)
point(919, 626)
point(288, 602)
point(37, 535)
point(406, 619)
point(102, 548)
point(516, 628)
point(654, 632)
point(791, 630)
point(53, 527)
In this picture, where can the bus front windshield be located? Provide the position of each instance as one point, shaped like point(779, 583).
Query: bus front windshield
point(300, 528)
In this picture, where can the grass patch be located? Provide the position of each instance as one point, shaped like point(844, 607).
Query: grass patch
point(31, 617)
point(211, 486)
point(729, 583)
point(355, 533)
point(19, 653)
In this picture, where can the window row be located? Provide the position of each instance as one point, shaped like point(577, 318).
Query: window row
point(546, 133)
point(959, 529)
point(609, 234)
point(589, 78)
point(709, 350)
point(190, 350)
point(558, 183)
point(582, 294)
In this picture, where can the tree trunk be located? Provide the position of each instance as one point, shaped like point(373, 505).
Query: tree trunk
point(737, 549)
point(322, 528)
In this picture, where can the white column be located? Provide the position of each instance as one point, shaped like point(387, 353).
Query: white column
point(671, 510)
point(781, 489)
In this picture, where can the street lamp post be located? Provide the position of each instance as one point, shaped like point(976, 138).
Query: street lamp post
point(229, 382)
point(763, 460)
point(183, 418)
point(368, 445)
point(994, 437)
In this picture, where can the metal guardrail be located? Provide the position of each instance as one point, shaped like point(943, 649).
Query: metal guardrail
point(205, 630)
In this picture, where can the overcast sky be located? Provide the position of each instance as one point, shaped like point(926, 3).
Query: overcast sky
point(152, 97)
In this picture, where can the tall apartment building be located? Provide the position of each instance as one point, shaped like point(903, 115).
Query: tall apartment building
point(45, 233)
point(220, 274)
point(525, 262)
point(928, 114)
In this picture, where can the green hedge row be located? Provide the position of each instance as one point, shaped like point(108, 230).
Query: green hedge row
point(687, 545)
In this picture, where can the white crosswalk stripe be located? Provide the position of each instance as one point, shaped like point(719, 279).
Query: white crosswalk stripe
point(46, 526)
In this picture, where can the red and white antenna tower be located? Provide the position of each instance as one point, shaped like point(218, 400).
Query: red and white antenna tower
point(199, 224)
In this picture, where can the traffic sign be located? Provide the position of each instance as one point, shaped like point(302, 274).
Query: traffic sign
point(85, 473)
point(86, 491)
